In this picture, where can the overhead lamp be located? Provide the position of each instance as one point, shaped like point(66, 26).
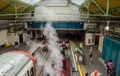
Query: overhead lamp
point(107, 27)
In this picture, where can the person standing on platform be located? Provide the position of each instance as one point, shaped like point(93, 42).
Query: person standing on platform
point(110, 67)
point(91, 54)
point(81, 45)
point(16, 45)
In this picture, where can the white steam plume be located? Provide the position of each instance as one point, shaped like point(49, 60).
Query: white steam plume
point(55, 55)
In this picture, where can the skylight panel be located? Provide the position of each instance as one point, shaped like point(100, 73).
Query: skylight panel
point(31, 2)
point(78, 2)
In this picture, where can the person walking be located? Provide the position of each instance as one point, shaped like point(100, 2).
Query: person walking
point(110, 67)
point(91, 54)
point(81, 45)
point(16, 45)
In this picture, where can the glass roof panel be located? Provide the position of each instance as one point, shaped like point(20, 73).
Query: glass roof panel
point(78, 2)
point(31, 2)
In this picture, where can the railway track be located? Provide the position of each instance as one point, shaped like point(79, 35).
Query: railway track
point(41, 57)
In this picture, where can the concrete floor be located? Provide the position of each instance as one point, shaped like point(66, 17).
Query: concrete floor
point(22, 47)
point(97, 64)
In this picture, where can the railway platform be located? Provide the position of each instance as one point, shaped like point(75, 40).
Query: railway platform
point(97, 64)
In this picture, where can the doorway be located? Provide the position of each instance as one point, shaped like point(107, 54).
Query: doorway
point(96, 39)
point(21, 38)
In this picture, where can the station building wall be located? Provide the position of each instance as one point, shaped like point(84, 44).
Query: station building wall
point(3, 36)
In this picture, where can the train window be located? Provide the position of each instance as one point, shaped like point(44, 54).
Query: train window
point(31, 72)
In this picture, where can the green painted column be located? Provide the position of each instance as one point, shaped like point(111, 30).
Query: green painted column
point(16, 16)
point(107, 9)
point(98, 6)
point(88, 9)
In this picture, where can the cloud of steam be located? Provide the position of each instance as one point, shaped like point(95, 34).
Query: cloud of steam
point(56, 57)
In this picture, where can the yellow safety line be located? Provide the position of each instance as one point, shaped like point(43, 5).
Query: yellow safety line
point(79, 69)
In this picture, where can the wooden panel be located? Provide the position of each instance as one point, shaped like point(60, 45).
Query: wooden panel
point(10, 8)
point(4, 3)
point(101, 3)
point(114, 3)
point(94, 9)
point(117, 14)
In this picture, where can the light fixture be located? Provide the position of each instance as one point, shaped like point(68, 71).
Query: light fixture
point(107, 27)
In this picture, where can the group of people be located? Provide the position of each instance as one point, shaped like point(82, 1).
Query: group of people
point(80, 52)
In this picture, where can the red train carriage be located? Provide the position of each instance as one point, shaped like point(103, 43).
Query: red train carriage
point(66, 67)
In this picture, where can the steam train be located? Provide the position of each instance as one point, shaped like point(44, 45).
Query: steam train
point(19, 63)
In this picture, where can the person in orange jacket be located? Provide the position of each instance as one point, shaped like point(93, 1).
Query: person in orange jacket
point(96, 73)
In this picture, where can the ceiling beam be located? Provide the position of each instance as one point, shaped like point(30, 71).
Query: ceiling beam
point(9, 4)
point(114, 10)
point(29, 9)
point(99, 7)
point(107, 9)
point(89, 4)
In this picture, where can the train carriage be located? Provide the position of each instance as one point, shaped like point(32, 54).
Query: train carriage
point(19, 63)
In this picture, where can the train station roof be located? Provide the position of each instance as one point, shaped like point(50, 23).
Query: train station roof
point(105, 9)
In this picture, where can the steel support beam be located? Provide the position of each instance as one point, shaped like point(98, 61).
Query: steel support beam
point(89, 4)
point(107, 9)
point(24, 7)
point(88, 7)
point(99, 7)
point(114, 10)
point(30, 9)
point(16, 16)
point(83, 15)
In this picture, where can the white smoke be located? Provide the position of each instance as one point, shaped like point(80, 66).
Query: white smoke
point(56, 57)
point(51, 36)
